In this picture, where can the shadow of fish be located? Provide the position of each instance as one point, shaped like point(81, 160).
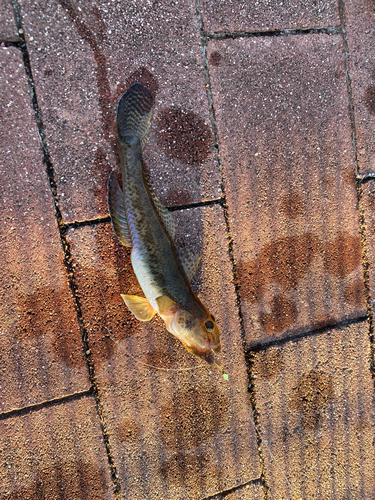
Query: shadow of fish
point(141, 222)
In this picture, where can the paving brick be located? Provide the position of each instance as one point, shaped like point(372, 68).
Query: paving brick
point(56, 452)
point(83, 57)
point(233, 15)
point(360, 19)
point(177, 429)
point(247, 492)
point(8, 29)
point(288, 168)
point(40, 343)
point(315, 399)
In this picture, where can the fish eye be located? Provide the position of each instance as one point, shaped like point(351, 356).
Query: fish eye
point(209, 325)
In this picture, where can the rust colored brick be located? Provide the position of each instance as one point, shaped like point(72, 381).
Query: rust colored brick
point(55, 452)
point(368, 200)
point(286, 151)
point(316, 414)
point(40, 342)
point(177, 429)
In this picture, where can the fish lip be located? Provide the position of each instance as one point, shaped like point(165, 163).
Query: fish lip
point(210, 358)
point(209, 354)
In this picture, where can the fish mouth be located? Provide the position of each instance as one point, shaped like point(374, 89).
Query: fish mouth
point(206, 353)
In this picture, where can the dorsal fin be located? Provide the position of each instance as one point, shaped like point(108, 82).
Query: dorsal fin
point(116, 209)
point(190, 261)
point(164, 213)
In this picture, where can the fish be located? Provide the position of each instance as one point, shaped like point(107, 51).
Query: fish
point(142, 223)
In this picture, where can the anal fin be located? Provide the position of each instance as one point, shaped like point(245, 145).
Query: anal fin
point(139, 306)
point(116, 209)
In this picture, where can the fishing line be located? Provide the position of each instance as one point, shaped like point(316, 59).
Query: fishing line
point(265, 441)
point(225, 376)
point(159, 368)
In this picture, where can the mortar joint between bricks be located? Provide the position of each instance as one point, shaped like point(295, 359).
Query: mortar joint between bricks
point(65, 246)
point(224, 35)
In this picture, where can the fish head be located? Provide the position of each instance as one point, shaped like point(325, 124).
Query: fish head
point(196, 329)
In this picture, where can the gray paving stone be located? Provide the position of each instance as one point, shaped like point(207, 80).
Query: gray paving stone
point(360, 19)
point(264, 15)
point(83, 57)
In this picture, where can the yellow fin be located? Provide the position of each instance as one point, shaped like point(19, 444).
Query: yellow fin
point(139, 306)
point(165, 303)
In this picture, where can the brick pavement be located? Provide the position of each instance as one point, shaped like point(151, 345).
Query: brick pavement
point(262, 146)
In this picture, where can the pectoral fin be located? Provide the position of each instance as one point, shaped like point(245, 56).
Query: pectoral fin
point(116, 208)
point(139, 306)
point(165, 304)
point(190, 261)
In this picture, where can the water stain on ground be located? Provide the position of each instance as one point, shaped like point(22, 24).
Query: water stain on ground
point(45, 312)
point(193, 416)
point(93, 31)
point(343, 255)
point(87, 34)
point(322, 320)
point(292, 205)
point(107, 319)
point(65, 480)
point(146, 78)
point(170, 354)
point(186, 470)
point(182, 134)
point(268, 363)
point(215, 58)
point(311, 396)
point(369, 98)
point(354, 293)
point(340, 72)
point(349, 178)
point(101, 170)
point(285, 261)
point(283, 314)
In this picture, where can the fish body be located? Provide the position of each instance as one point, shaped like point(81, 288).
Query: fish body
point(144, 224)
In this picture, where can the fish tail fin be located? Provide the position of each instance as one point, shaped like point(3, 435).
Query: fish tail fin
point(134, 112)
